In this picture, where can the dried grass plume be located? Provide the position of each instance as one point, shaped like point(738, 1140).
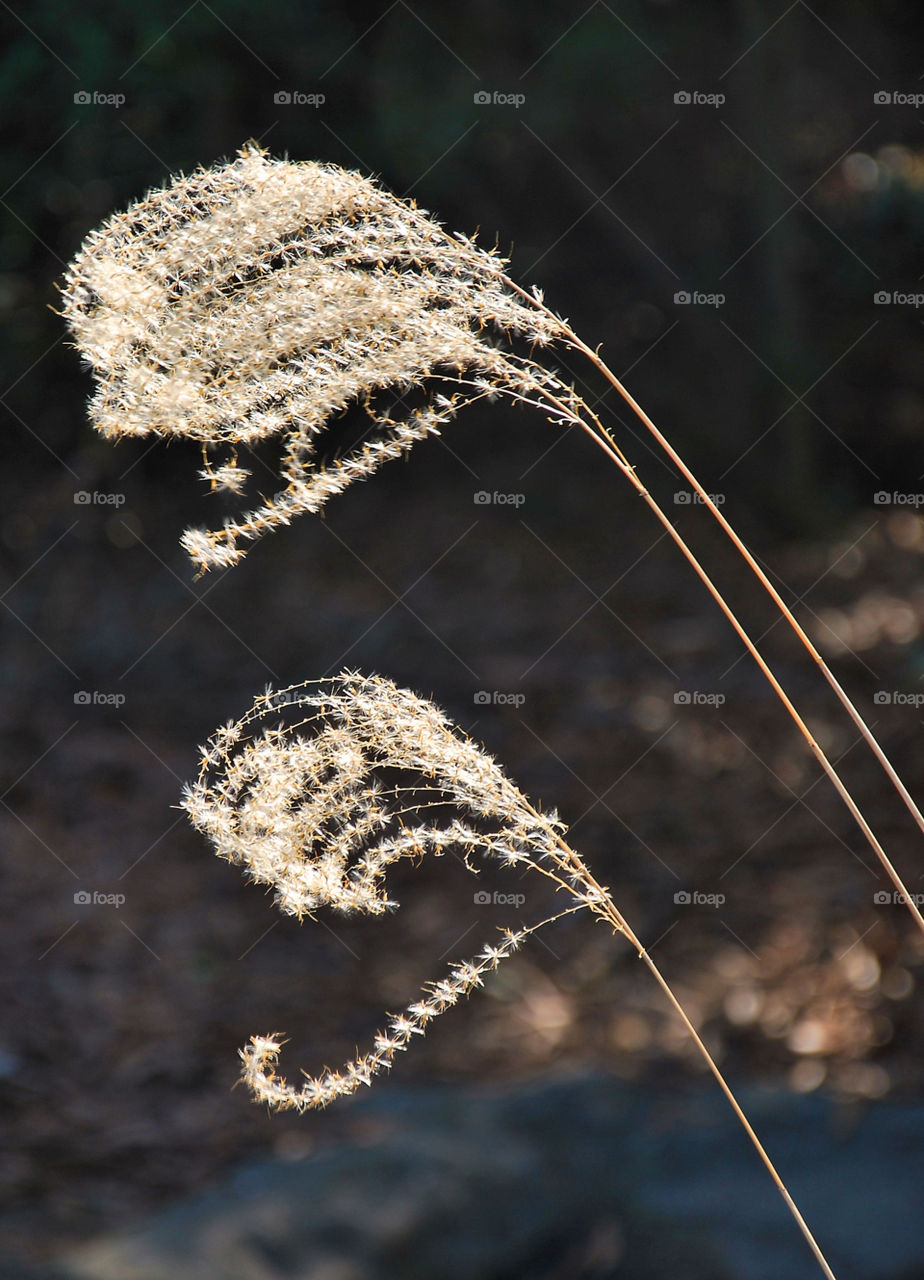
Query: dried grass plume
point(261, 298)
point(321, 787)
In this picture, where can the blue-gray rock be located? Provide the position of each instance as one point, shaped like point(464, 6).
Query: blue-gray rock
point(585, 1177)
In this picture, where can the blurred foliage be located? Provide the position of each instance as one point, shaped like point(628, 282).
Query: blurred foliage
point(608, 193)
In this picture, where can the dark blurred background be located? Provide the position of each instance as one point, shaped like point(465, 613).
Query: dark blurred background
point(729, 197)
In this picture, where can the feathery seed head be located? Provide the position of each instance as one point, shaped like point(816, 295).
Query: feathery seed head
point(320, 788)
point(262, 297)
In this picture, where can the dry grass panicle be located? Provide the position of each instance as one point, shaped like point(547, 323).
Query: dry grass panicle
point(259, 299)
point(321, 787)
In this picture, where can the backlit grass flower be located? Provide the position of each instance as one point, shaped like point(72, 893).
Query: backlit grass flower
point(260, 299)
point(320, 788)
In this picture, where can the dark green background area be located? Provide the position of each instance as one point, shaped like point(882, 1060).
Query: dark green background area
point(604, 191)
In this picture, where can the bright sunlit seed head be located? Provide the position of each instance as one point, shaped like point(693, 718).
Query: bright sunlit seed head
point(260, 298)
point(318, 790)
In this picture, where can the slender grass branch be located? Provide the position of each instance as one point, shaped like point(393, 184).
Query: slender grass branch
point(572, 339)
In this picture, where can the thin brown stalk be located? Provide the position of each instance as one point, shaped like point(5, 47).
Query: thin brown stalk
point(605, 906)
point(850, 707)
point(726, 1089)
point(601, 438)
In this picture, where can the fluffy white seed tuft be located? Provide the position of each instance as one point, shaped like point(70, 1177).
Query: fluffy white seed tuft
point(261, 298)
point(320, 788)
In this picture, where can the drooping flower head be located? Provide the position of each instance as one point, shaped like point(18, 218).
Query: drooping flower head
point(320, 788)
point(261, 298)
